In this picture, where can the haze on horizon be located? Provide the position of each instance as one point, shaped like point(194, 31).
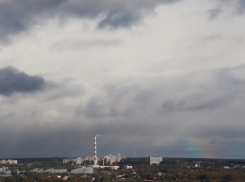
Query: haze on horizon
point(153, 77)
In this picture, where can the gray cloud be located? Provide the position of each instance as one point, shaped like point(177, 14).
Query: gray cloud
point(224, 91)
point(61, 91)
point(200, 41)
point(12, 80)
point(214, 13)
point(212, 37)
point(241, 7)
point(234, 7)
point(19, 16)
point(78, 44)
point(221, 87)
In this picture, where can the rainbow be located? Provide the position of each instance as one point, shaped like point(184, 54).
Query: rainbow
point(195, 147)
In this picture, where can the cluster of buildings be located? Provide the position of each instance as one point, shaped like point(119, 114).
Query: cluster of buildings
point(98, 162)
point(80, 170)
point(8, 161)
point(78, 160)
point(5, 172)
point(90, 160)
point(109, 159)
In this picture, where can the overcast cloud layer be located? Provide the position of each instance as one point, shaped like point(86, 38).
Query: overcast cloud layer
point(21, 15)
point(155, 77)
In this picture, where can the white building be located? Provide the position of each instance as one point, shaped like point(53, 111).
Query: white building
point(65, 161)
point(82, 170)
point(8, 172)
point(79, 160)
point(86, 158)
point(91, 159)
point(155, 160)
point(74, 160)
point(37, 170)
point(9, 161)
point(55, 170)
point(111, 159)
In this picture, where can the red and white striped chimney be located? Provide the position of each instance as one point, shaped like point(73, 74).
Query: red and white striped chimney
point(95, 152)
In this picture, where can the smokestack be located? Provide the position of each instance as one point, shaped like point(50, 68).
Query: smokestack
point(95, 151)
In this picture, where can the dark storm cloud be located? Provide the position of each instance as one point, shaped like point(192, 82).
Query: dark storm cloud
point(123, 19)
point(131, 14)
point(19, 15)
point(12, 80)
point(75, 139)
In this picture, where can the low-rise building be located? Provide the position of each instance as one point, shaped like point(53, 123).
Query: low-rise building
point(155, 160)
point(37, 170)
point(82, 170)
point(55, 170)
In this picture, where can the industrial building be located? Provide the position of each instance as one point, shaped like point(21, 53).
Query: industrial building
point(109, 159)
point(155, 160)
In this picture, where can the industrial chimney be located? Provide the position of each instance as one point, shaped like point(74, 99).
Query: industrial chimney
point(95, 152)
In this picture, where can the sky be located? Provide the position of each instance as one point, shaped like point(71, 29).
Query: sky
point(151, 77)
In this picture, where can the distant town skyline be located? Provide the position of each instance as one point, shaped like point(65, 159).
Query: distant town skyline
point(152, 77)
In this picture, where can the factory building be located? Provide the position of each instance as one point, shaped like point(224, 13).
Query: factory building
point(83, 170)
point(155, 160)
